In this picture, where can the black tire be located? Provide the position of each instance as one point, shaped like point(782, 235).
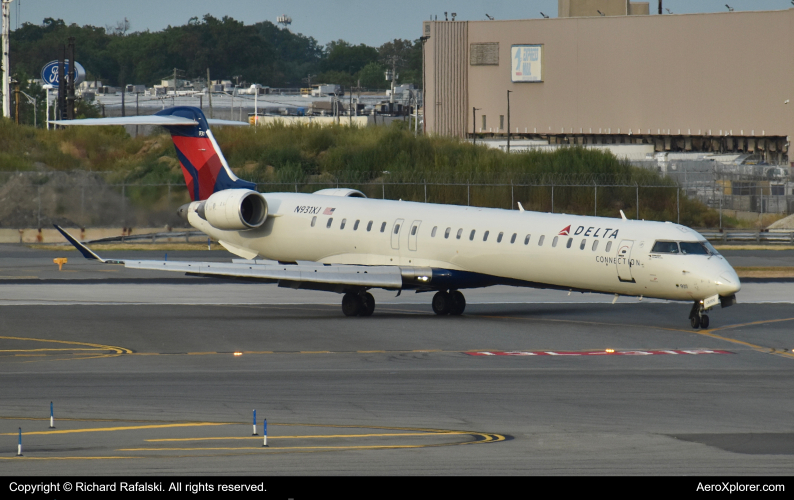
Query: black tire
point(367, 304)
point(458, 303)
point(695, 322)
point(704, 321)
point(351, 304)
point(441, 303)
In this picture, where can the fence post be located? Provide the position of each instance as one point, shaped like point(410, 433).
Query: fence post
point(678, 204)
point(468, 192)
point(552, 197)
point(123, 204)
point(595, 194)
point(512, 197)
point(82, 204)
point(425, 190)
point(38, 195)
point(638, 200)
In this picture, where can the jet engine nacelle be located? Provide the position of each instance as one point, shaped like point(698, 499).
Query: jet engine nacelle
point(234, 209)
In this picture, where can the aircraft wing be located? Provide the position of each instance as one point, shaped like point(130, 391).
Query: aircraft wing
point(306, 275)
point(145, 120)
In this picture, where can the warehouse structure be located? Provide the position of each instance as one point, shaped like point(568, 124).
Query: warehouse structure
point(718, 82)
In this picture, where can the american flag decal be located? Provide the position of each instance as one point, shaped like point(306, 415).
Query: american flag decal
point(329, 211)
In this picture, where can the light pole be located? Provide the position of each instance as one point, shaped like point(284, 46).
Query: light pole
point(508, 120)
point(424, 118)
point(6, 4)
point(474, 124)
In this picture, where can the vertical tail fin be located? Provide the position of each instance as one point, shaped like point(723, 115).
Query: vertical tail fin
point(203, 165)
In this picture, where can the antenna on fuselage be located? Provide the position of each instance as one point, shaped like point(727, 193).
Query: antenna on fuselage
point(622, 215)
point(520, 208)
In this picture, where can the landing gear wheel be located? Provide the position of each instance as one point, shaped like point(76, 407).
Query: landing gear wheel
point(367, 304)
point(351, 304)
point(458, 303)
point(704, 321)
point(442, 303)
point(695, 322)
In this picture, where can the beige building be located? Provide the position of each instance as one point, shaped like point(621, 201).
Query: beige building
point(692, 82)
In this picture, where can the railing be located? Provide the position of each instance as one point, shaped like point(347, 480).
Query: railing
point(782, 237)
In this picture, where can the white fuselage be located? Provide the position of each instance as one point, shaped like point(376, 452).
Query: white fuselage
point(604, 254)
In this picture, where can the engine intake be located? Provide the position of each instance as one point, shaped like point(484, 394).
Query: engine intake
point(234, 209)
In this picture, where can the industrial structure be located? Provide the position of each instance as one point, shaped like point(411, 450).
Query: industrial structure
point(717, 82)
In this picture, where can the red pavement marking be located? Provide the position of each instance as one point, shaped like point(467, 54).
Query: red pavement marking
point(595, 353)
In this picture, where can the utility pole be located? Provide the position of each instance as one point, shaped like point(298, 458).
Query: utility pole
point(5, 63)
point(508, 120)
point(209, 90)
point(423, 39)
point(474, 124)
point(70, 81)
point(62, 85)
point(16, 99)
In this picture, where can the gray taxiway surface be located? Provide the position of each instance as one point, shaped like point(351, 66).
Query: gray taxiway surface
point(144, 379)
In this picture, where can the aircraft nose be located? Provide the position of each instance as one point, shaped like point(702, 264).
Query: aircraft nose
point(728, 282)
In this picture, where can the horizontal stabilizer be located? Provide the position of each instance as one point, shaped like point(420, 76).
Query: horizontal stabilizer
point(169, 121)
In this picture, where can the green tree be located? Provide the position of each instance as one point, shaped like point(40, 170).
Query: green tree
point(372, 76)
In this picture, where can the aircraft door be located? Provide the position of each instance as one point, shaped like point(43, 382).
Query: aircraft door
point(395, 233)
point(413, 235)
point(624, 261)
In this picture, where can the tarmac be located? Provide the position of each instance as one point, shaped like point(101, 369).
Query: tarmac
point(159, 375)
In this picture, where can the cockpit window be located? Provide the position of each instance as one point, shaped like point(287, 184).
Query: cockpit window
point(693, 248)
point(711, 249)
point(665, 247)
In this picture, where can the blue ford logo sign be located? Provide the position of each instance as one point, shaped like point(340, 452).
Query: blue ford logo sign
point(49, 73)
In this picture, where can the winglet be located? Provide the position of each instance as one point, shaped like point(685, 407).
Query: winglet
point(520, 207)
point(87, 252)
point(622, 215)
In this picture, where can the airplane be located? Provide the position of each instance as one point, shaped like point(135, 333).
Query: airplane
point(338, 240)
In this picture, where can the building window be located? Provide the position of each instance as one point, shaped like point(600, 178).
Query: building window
point(609, 246)
point(355, 226)
point(554, 242)
point(540, 240)
point(330, 221)
point(501, 122)
point(499, 238)
point(471, 235)
point(382, 227)
point(369, 226)
point(446, 233)
point(433, 233)
point(582, 244)
point(460, 232)
point(778, 189)
point(314, 220)
point(342, 225)
point(526, 240)
point(483, 122)
point(595, 245)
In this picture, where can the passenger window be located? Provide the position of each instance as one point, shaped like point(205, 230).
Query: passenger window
point(595, 245)
point(513, 238)
point(382, 227)
point(568, 245)
point(609, 246)
point(471, 235)
point(369, 226)
point(446, 233)
point(355, 226)
point(665, 247)
point(554, 241)
point(342, 225)
point(540, 240)
point(526, 240)
point(330, 221)
point(314, 220)
point(433, 233)
point(582, 245)
point(499, 238)
point(413, 230)
point(396, 228)
point(485, 236)
point(460, 232)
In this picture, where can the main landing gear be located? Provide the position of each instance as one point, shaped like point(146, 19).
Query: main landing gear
point(452, 302)
point(358, 304)
point(697, 316)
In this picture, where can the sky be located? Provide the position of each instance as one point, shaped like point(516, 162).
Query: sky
point(372, 22)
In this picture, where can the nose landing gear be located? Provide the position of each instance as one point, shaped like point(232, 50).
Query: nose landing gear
point(697, 316)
